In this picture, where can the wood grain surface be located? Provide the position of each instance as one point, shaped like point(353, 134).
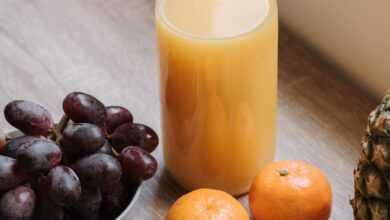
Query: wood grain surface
point(107, 48)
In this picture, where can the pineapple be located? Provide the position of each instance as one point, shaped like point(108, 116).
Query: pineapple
point(372, 175)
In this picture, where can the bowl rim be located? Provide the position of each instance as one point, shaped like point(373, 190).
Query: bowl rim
point(123, 215)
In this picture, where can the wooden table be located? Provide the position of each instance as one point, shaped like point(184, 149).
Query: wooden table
point(107, 48)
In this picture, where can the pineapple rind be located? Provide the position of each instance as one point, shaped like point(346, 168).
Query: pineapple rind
point(370, 209)
point(372, 175)
point(376, 186)
point(381, 153)
point(379, 119)
point(361, 210)
point(379, 210)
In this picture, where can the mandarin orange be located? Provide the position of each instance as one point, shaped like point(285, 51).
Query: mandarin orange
point(290, 190)
point(206, 204)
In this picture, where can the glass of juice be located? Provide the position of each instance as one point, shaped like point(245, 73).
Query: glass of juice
point(218, 80)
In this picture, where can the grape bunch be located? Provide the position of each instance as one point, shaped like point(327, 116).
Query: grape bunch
point(85, 167)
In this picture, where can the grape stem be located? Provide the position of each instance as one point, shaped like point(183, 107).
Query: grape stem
point(63, 123)
point(59, 128)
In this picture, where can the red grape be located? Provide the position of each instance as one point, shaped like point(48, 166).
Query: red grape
point(82, 138)
point(14, 145)
point(88, 206)
point(71, 216)
point(40, 184)
point(106, 149)
point(29, 117)
point(18, 204)
point(64, 185)
point(39, 156)
point(10, 175)
point(116, 116)
point(2, 140)
point(98, 169)
point(115, 198)
point(49, 210)
point(134, 135)
point(81, 107)
point(137, 164)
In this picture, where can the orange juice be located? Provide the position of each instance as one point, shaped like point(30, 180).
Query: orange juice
point(218, 75)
